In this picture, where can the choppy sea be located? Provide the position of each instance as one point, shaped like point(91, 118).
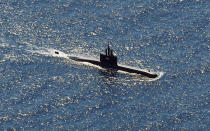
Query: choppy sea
point(41, 90)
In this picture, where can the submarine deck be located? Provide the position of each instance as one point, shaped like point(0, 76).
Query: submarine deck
point(121, 68)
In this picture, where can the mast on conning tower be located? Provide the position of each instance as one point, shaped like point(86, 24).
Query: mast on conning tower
point(109, 52)
point(108, 59)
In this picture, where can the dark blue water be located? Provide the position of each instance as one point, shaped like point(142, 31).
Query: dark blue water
point(42, 90)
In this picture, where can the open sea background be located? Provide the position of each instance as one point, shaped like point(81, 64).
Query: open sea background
point(42, 90)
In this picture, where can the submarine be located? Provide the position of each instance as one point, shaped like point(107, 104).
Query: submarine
point(109, 61)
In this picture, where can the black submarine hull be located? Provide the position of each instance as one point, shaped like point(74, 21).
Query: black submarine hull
point(116, 67)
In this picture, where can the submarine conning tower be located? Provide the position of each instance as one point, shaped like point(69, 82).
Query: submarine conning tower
point(108, 59)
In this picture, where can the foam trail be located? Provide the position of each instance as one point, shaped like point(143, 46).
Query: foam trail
point(49, 52)
point(52, 52)
point(57, 53)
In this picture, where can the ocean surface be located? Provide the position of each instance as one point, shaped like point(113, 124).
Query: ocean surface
point(41, 90)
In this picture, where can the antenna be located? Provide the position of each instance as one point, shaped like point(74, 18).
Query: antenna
point(108, 50)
